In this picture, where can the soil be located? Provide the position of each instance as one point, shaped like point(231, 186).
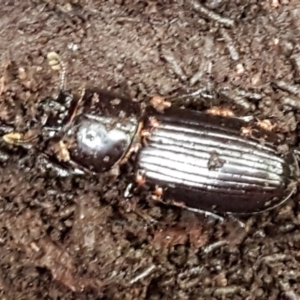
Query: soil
point(79, 237)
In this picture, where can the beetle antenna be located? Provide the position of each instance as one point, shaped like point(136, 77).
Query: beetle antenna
point(57, 64)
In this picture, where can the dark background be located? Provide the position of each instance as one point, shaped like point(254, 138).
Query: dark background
point(78, 238)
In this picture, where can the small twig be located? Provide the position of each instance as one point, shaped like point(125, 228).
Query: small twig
point(142, 275)
point(169, 57)
point(208, 14)
point(291, 88)
point(214, 246)
point(295, 60)
point(290, 102)
point(234, 54)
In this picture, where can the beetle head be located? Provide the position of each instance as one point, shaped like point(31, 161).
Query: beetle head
point(54, 111)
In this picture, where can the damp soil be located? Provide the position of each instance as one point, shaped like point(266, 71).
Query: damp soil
point(79, 237)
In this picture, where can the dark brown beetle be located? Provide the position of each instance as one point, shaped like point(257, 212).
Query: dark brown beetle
point(208, 161)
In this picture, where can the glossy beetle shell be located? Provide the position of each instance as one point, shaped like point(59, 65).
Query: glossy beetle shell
point(99, 129)
point(203, 161)
point(100, 141)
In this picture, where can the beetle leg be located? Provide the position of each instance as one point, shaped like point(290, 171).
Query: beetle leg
point(62, 160)
point(218, 111)
point(159, 103)
point(78, 169)
point(133, 149)
point(140, 178)
point(224, 112)
point(233, 218)
point(145, 135)
point(203, 92)
point(204, 212)
point(154, 123)
point(45, 165)
point(195, 210)
point(246, 131)
point(158, 194)
point(266, 125)
point(131, 206)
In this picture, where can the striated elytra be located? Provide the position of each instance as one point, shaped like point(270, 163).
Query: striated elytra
point(203, 162)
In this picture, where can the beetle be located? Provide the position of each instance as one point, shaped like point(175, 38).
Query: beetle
point(205, 161)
